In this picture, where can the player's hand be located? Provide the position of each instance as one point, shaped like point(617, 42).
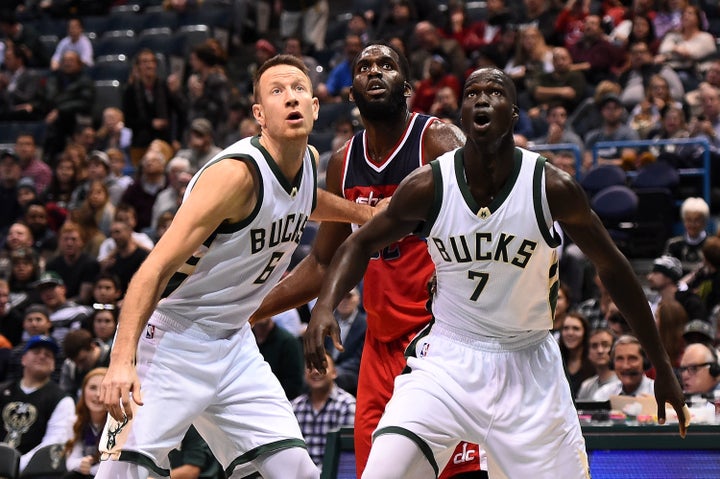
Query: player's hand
point(667, 390)
point(322, 323)
point(381, 205)
point(120, 380)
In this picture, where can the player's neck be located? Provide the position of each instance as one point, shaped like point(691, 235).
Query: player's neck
point(487, 166)
point(383, 135)
point(287, 154)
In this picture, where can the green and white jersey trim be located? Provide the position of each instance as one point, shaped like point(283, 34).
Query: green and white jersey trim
point(496, 264)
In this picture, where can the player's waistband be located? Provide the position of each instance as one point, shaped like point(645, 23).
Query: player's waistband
point(191, 328)
point(517, 342)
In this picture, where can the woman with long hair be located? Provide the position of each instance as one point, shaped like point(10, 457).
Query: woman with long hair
point(637, 28)
point(574, 349)
point(683, 50)
point(79, 155)
point(646, 116)
point(532, 58)
point(82, 454)
point(64, 181)
point(673, 126)
point(643, 30)
point(91, 235)
point(98, 202)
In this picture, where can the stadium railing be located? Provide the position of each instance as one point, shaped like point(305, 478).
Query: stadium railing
point(703, 172)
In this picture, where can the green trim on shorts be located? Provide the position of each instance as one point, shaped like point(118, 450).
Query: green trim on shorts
point(143, 460)
point(424, 448)
point(411, 349)
point(253, 454)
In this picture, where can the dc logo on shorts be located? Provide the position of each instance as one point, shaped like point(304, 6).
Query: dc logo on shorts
point(150, 331)
point(424, 350)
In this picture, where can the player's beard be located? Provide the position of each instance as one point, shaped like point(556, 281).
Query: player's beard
point(383, 110)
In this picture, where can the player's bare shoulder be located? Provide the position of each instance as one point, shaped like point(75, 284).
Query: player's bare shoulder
point(333, 178)
point(232, 184)
point(440, 138)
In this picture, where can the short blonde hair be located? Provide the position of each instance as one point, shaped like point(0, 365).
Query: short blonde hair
point(695, 205)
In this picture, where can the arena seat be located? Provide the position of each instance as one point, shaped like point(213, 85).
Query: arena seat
point(654, 220)
point(95, 25)
point(125, 17)
point(10, 130)
point(602, 176)
point(329, 112)
point(160, 19)
point(156, 39)
point(322, 140)
point(110, 67)
point(658, 174)
point(108, 93)
point(50, 43)
point(189, 36)
point(9, 461)
point(116, 42)
point(47, 463)
point(617, 208)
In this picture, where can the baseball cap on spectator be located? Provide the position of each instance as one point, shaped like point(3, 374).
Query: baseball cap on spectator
point(607, 98)
point(265, 45)
point(698, 331)
point(26, 182)
point(669, 266)
point(22, 253)
point(439, 59)
point(9, 154)
point(201, 126)
point(41, 341)
point(101, 156)
point(48, 278)
point(37, 308)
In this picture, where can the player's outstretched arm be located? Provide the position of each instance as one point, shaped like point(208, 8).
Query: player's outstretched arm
point(409, 206)
point(569, 205)
point(334, 208)
point(225, 191)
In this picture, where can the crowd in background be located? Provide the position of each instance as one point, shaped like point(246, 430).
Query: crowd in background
point(84, 201)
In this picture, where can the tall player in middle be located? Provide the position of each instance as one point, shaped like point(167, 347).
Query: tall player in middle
point(366, 170)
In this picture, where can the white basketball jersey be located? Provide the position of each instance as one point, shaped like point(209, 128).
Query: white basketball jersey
point(497, 269)
point(223, 283)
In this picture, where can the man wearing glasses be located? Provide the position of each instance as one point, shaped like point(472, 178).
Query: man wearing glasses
point(699, 369)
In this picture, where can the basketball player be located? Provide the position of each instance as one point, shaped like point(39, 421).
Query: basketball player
point(197, 360)
point(367, 169)
point(487, 369)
